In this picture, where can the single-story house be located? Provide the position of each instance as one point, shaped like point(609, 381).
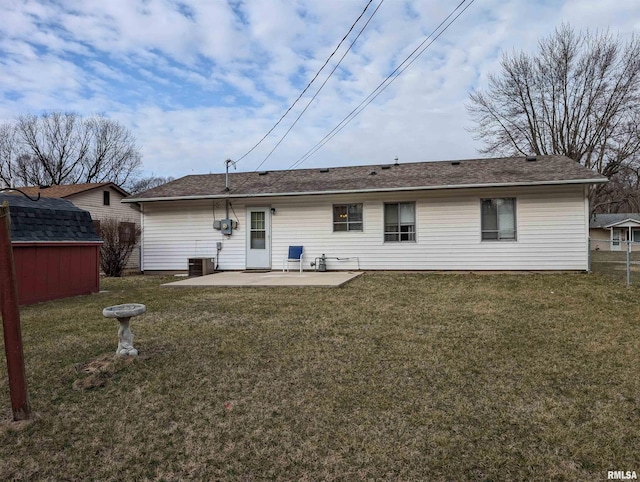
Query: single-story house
point(103, 200)
point(514, 213)
point(610, 232)
point(56, 251)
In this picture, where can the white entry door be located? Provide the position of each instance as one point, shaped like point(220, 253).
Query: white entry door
point(258, 238)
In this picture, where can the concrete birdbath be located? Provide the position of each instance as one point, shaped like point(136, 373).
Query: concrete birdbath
point(124, 313)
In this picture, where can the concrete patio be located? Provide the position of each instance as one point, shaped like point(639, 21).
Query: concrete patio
point(271, 278)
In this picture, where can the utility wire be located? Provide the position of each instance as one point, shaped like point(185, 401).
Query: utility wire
point(321, 87)
point(380, 88)
point(309, 84)
point(383, 85)
point(317, 92)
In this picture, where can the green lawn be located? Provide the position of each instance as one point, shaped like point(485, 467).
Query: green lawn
point(393, 376)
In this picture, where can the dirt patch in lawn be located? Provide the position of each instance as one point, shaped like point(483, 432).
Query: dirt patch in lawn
point(95, 373)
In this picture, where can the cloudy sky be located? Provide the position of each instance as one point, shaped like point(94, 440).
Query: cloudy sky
point(198, 82)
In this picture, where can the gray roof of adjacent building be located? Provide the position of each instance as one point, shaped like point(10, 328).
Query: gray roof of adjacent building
point(470, 173)
point(603, 220)
point(48, 219)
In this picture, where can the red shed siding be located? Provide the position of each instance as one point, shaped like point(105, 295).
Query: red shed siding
point(47, 271)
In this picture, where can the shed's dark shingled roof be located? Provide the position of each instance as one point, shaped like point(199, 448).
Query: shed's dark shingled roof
point(472, 172)
point(48, 219)
point(602, 220)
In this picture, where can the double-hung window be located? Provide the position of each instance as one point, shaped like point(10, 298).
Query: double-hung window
point(499, 219)
point(400, 222)
point(347, 217)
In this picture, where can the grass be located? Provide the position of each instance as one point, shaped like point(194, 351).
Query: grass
point(614, 265)
point(393, 376)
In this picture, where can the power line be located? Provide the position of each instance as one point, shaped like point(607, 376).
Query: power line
point(320, 88)
point(317, 92)
point(383, 85)
point(309, 84)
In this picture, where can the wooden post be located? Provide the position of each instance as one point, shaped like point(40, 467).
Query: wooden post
point(11, 321)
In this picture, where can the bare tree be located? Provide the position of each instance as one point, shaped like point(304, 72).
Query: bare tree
point(622, 193)
point(63, 148)
point(119, 238)
point(112, 155)
point(147, 183)
point(579, 96)
point(7, 134)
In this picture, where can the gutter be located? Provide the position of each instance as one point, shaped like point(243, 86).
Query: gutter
point(363, 191)
point(56, 243)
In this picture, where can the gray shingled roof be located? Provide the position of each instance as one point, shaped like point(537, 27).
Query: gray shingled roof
point(602, 220)
point(48, 219)
point(508, 171)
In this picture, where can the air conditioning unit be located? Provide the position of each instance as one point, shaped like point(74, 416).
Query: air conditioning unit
point(201, 266)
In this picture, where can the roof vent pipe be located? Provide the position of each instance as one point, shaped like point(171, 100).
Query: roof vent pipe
point(532, 158)
point(396, 160)
point(226, 176)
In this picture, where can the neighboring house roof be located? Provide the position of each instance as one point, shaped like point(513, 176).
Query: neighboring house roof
point(48, 219)
point(604, 221)
point(508, 171)
point(66, 190)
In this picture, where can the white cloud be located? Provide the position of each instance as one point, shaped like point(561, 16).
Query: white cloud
point(200, 81)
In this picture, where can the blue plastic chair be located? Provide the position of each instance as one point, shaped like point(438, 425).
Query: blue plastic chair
point(295, 256)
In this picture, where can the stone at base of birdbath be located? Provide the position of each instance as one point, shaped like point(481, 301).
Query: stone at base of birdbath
point(124, 313)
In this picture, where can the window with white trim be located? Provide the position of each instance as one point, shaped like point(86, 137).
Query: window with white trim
point(499, 219)
point(347, 217)
point(400, 222)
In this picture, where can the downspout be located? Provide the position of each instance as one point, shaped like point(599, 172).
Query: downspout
point(587, 214)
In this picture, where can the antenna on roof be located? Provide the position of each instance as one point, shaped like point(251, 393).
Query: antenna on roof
point(226, 176)
point(396, 160)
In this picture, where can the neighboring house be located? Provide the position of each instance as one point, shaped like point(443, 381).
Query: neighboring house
point(103, 200)
point(610, 232)
point(56, 251)
point(511, 213)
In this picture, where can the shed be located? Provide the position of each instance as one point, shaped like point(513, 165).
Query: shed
point(103, 201)
point(56, 250)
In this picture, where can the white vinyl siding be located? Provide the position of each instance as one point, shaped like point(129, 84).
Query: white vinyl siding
point(93, 201)
point(178, 230)
point(551, 225)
